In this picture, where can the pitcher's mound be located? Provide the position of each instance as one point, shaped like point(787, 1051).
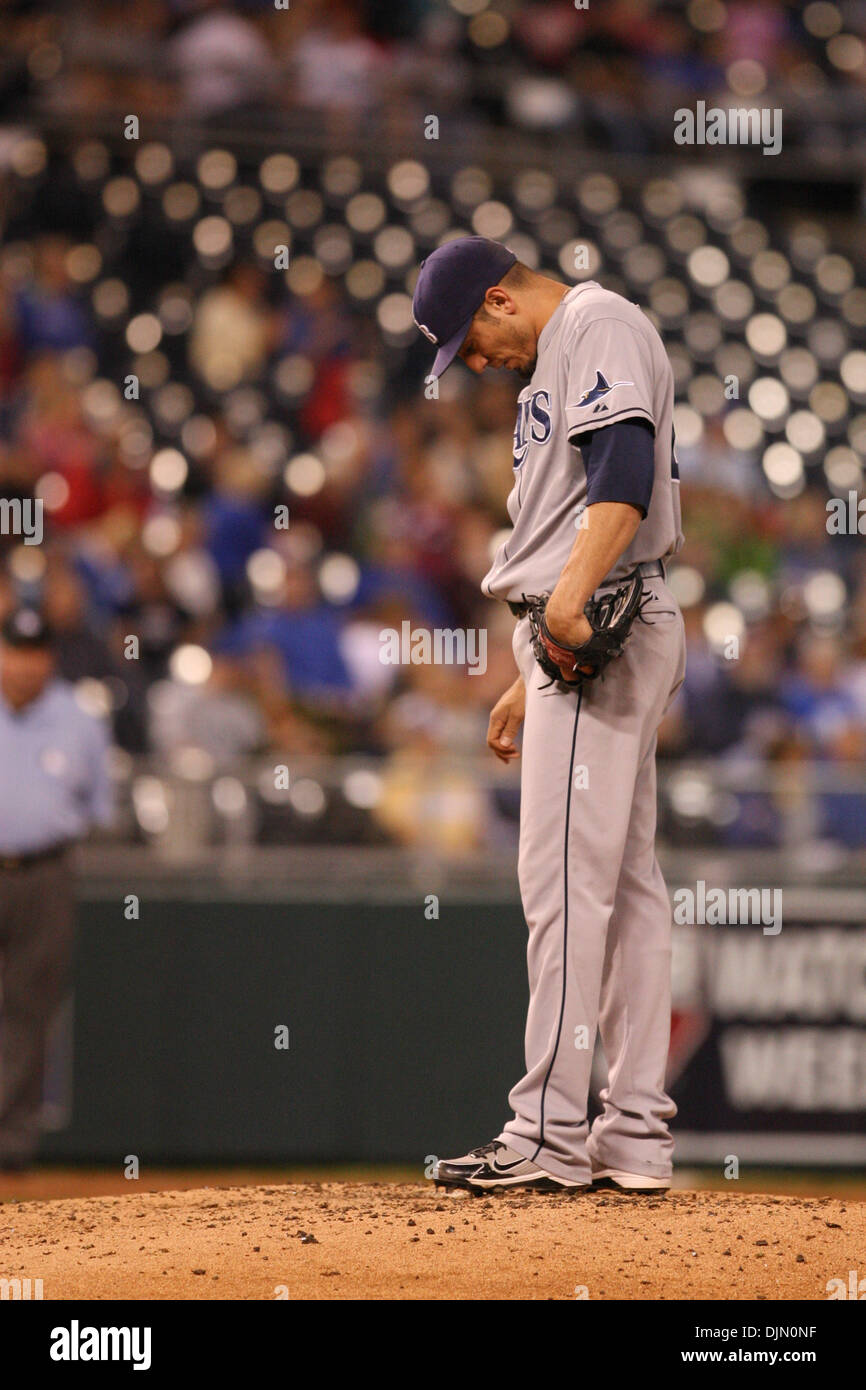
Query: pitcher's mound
point(372, 1240)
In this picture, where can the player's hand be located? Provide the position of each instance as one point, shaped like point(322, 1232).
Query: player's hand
point(570, 629)
point(506, 718)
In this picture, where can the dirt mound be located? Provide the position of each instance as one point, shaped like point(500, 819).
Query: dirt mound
point(376, 1240)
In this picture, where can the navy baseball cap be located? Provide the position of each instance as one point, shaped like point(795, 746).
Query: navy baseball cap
point(451, 287)
point(26, 627)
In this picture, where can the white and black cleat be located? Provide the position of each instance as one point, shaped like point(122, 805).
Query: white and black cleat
point(615, 1180)
point(496, 1167)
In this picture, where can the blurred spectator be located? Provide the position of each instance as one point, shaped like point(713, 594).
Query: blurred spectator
point(304, 631)
point(222, 716)
point(222, 60)
point(816, 697)
point(233, 330)
point(336, 65)
point(84, 653)
point(48, 313)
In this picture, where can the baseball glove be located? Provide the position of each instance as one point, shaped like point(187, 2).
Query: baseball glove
point(611, 617)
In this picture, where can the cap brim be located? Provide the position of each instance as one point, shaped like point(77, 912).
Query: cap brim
point(448, 351)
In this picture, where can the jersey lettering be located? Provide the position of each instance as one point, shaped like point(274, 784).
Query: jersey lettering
point(533, 424)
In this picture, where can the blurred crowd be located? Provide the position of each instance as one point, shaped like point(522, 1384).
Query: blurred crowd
point(244, 483)
point(610, 75)
point(251, 635)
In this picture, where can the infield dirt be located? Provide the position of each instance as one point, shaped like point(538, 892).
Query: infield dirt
point(336, 1240)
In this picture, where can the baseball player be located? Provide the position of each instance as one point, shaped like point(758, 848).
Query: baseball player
point(595, 510)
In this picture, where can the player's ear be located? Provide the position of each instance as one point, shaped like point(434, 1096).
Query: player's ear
point(497, 297)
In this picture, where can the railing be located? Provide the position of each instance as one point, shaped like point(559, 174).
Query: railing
point(275, 822)
point(387, 135)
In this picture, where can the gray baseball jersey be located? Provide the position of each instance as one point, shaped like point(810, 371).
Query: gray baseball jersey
point(599, 361)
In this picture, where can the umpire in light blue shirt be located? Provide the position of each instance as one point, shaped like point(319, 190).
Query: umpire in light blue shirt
point(54, 785)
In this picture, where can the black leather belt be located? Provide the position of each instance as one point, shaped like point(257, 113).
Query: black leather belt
point(39, 856)
point(648, 569)
point(520, 610)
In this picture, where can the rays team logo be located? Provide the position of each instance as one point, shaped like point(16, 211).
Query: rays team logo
point(533, 424)
point(601, 388)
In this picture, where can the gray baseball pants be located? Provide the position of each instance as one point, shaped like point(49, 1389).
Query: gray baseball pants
point(597, 908)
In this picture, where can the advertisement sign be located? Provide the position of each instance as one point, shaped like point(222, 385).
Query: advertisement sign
point(768, 1035)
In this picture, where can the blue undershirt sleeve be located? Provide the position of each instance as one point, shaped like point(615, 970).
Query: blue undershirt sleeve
point(619, 462)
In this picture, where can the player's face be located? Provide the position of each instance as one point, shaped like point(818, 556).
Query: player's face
point(500, 339)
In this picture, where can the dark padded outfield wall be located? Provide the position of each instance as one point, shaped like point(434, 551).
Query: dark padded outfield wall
point(402, 1031)
point(405, 1034)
